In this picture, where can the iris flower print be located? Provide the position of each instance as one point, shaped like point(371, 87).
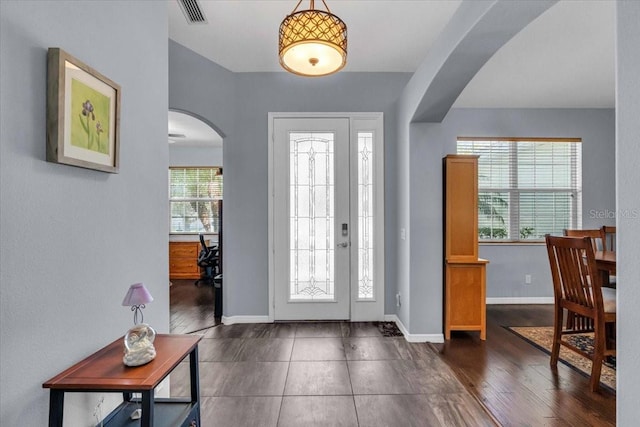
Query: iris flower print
point(87, 111)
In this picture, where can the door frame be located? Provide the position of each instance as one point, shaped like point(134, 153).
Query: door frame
point(360, 310)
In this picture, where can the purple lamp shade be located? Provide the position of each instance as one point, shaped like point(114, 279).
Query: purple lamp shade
point(137, 295)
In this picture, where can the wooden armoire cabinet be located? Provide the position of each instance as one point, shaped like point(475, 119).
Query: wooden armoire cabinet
point(465, 273)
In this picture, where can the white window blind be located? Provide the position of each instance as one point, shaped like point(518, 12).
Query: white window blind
point(194, 196)
point(526, 187)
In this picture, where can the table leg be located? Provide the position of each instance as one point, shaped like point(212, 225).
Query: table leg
point(56, 408)
point(194, 375)
point(147, 409)
point(605, 277)
point(217, 296)
point(195, 382)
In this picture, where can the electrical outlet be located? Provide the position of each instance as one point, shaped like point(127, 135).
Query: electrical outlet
point(527, 279)
point(398, 301)
point(403, 234)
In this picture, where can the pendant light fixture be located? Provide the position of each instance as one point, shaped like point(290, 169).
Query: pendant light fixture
point(312, 42)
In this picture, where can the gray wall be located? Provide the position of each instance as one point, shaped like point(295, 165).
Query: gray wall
point(202, 88)
point(628, 180)
point(195, 156)
point(72, 240)
point(238, 105)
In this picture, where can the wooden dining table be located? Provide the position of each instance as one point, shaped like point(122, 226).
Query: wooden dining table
point(606, 264)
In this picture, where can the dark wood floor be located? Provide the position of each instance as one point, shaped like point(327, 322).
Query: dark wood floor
point(513, 379)
point(305, 374)
point(190, 307)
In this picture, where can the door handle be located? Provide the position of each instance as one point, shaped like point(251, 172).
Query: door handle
point(343, 244)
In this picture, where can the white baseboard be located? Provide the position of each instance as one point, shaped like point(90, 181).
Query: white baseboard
point(230, 320)
point(520, 300)
point(435, 338)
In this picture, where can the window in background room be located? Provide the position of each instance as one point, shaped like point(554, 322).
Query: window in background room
point(526, 187)
point(194, 196)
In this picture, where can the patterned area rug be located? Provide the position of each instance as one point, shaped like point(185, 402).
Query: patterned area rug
point(542, 337)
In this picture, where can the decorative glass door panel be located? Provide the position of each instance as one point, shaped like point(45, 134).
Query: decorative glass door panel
point(311, 181)
point(365, 216)
point(311, 218)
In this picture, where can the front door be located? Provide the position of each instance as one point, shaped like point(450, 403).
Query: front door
point(311, 160)
point(323, 186)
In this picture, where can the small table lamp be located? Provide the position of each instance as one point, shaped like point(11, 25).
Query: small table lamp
point(138, 341)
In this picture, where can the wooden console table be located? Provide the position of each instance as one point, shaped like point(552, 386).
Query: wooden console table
point(104, 371)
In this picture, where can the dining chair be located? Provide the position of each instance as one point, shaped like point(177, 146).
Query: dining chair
point(573, 320)
point(577, 289)
point(608, 236)
point(595, 234)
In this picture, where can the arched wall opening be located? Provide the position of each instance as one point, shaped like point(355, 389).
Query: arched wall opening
point(195, 189)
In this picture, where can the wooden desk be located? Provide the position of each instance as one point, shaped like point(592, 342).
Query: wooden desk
point(183, 260)
point(104, 371)
point(606, 263)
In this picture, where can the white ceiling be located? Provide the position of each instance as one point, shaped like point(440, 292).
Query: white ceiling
point(242, 35)
point(187, 131)
point(563, 59)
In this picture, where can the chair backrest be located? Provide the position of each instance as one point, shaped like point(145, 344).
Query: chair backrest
point(202, 242)
point(595, 234)
point(208, 255)
point(576, 282)
point(608, 236)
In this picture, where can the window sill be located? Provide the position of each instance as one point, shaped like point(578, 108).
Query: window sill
point(191, 233)
point(192, 237)
point(513, 243)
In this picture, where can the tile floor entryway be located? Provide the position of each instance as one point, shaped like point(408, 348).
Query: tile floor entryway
point(511, 377)
point(324, 374)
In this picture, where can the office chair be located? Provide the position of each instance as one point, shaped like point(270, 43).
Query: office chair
point(209, 261)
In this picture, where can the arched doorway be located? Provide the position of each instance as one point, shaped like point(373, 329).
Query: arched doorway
point(195, 214)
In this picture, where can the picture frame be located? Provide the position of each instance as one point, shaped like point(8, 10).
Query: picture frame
point(83, 114)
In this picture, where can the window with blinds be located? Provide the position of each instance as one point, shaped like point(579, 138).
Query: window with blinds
point(194, 196)
point(526, 187)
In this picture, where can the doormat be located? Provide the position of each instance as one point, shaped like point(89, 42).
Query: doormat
point(389, 329)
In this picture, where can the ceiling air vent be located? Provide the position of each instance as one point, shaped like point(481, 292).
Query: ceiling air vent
point(192, 11)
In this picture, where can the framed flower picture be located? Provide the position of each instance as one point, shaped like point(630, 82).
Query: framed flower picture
point(83, 114)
